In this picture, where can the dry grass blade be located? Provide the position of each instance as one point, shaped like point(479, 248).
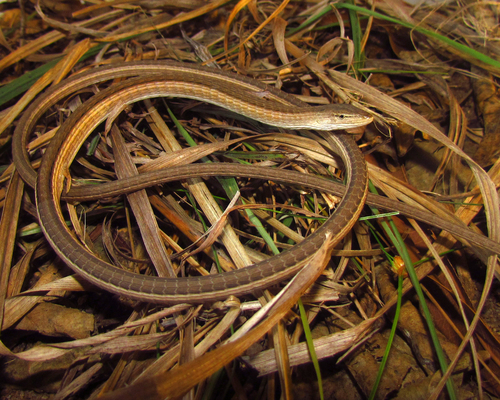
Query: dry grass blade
point(142, 209)
point(8, 224)
point(280, 344)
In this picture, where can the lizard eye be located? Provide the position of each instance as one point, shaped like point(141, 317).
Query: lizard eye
point(341, 116)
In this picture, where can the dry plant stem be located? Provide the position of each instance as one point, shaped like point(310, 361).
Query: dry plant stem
point(191, 82)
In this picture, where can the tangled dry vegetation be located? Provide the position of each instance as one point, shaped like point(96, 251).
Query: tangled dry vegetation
point(394, 286)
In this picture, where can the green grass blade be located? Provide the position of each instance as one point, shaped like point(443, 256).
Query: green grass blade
point(24, 82)
point(359, 59)
point(310, 347)
point(450, 42)
point(390, 340)
point(393, 233)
